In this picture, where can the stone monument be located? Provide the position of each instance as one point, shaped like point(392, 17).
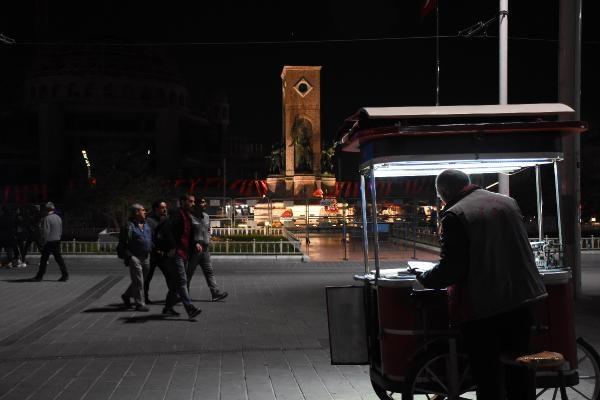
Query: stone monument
point(302, 174)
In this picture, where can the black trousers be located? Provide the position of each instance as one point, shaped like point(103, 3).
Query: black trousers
point(54, 249)
point(485, 340)
point(156, 260)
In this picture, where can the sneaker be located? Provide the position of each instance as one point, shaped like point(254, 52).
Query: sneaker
point(219, 296)
point(9, 265)
point(170, 311)
point(21, 265)
point(35, 279)
point(63, 279)
point(126, 301)
point(192, 311)
point(141, 307)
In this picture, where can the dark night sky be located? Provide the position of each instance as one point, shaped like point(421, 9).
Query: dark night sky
point(210, 44)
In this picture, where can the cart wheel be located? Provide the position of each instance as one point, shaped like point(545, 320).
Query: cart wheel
point(384, 394)
point(432, 379)
point(588, 369)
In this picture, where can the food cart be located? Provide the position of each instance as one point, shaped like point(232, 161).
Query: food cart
point(403, 331)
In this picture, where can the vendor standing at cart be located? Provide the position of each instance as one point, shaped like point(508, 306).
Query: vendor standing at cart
point(487, 264)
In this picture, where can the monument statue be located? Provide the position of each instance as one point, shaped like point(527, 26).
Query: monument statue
point(275, 160)
point(327, 159)
point(301, 140)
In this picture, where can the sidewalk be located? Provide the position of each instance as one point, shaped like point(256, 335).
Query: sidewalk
point(267, 340)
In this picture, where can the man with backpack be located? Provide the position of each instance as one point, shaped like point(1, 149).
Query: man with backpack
point(135, 245)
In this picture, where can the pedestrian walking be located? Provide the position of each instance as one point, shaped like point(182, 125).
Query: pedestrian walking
point(7, 236)
point(201, 255)
point(20, 238)
point(178, 246)
point(51, 233)
point(135, 239)
point(487, 263)
point(33, 234)
point(158, 216)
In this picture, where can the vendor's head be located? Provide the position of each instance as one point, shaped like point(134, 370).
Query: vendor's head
point(449, 184)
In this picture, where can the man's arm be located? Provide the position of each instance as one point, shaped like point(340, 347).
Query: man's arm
point(125, 237)
point(454, 256)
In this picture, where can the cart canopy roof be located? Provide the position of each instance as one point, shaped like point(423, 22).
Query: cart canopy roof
point(410, 141)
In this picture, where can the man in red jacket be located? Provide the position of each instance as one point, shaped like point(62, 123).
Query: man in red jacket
point(180, 245)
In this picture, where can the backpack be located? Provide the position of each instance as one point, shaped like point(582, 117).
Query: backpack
point(124, 236)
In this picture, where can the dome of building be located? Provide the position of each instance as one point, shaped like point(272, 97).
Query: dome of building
point(104, 73)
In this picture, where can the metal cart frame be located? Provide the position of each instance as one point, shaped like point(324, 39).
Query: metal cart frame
point(415, 141)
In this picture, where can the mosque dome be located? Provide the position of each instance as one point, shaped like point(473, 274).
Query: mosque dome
point(104, 74)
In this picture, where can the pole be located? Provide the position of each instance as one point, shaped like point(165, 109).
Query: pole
point(569, 92)
point(373, 189)
point(363, 206)
point(558, 213)
point(344, 235)
point(414, 223)
point(503, 179)
point(437, 53)
point(540, 203)
point(307, 220)
point(224, 190)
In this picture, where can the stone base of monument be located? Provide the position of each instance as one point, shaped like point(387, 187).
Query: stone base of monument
point(304, 185)
point(294, 186)
point(276, 185)
point(328, 184)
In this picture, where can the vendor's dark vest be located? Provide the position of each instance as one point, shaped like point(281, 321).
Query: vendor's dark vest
point(502, 273)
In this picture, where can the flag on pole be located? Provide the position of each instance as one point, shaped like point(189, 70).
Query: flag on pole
point(427, 7)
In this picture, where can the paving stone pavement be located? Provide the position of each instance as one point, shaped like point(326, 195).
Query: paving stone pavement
point(267, 340)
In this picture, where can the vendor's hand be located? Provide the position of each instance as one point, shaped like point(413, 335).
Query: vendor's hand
point(419, 276)
point(171, 253)
point(199, 247)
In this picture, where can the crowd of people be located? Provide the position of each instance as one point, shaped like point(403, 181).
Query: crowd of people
point(176, 243)
point(19, 228)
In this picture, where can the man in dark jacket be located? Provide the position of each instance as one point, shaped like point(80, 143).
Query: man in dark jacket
point(201, 229)
point(488, 266)
point(180, 244)
point(51, 234)
point(158, 216)
point(137, 237)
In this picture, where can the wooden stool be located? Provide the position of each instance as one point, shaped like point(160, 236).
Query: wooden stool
point(544, 361)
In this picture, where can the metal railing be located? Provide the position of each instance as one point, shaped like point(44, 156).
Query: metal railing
point(292, 238)
point(254, 247)
point(267, 230)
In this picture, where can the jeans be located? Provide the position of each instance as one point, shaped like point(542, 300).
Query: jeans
point(53, 248)
point(138, 269)
point(177, 282)
point(202, 259)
